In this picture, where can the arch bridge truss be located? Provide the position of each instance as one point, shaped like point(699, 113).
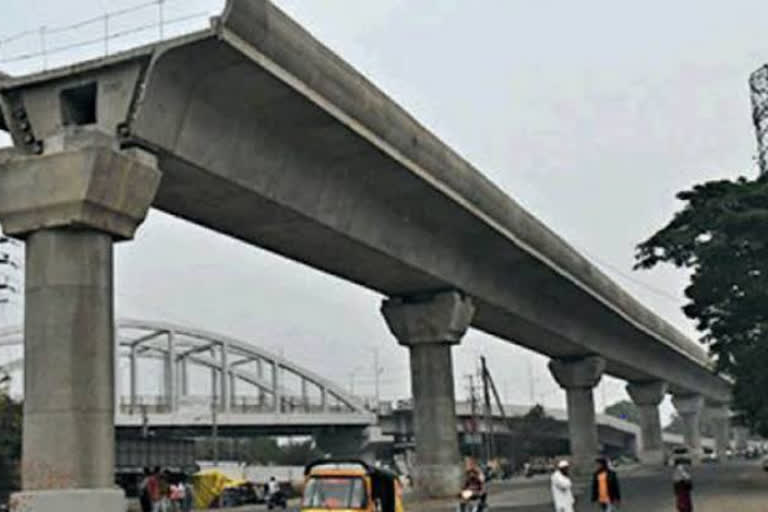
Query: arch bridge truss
point(164, 368)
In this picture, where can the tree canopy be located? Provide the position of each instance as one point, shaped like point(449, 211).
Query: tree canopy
point(721, 237)
point(624, 410)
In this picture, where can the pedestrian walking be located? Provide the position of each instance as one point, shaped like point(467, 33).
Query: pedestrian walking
point(154, 493)
point(562, 488)
point(165, 492)
point(189, 495)
point(606, 491)
point(144, 500)
point(683, 487)
point(177, 493)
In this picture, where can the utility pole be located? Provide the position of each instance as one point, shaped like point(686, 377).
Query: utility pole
point(758, 87)
point(376, 375)
point(144, 422)
point(489, 438)
point(473, 405)
point(215, 424)
point(531, 383)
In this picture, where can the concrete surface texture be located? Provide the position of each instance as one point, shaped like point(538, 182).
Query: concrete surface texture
point(76, 500)
point(689, 407)
point(429, 326)
point(69, 205)
point(719, 416)
point(647, 396)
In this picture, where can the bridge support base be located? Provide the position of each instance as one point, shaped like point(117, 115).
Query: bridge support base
point(647, 396)
point(719, 415)
point(70, 205)
point(69, 500)
point(429, 327)
point(579, 377)
point(689, 408)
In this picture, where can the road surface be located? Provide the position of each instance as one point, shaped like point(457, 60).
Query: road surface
point(737, 487)
point(728, 487)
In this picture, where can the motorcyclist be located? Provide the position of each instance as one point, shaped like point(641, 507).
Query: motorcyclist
point(473, 489)
point(274, 494)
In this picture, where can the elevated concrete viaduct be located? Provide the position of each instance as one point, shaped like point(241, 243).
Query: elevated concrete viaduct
point(254, 129)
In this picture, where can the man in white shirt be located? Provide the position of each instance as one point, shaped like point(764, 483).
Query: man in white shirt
point(562, 492)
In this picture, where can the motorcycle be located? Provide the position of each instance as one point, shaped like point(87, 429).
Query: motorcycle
point(277, 500)
point(472, 502)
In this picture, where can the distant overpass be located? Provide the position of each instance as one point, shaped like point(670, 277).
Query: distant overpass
point(615, 435)
point(252, 390)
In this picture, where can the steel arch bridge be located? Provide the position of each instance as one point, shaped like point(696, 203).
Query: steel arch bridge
point(174, 377)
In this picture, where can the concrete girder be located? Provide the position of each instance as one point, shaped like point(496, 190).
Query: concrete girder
point(221, 109)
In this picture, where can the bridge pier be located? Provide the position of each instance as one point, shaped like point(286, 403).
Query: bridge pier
point(69, 205)
point(647, 396)
point(689, 408)
point(720, 418)
point(429, 326)
point(578, 377)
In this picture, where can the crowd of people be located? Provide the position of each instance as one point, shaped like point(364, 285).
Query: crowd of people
point(606, 491)
point(161, 491)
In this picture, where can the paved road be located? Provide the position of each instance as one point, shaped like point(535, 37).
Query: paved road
point(730, 487)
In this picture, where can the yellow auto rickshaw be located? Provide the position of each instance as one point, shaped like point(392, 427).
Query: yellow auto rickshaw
point(347, 485)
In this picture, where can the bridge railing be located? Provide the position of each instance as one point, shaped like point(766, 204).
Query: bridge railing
point(159, 404)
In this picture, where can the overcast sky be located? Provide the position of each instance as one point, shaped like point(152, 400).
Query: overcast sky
point(590, 114)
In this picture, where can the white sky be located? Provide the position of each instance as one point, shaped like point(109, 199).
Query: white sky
point(591, 114)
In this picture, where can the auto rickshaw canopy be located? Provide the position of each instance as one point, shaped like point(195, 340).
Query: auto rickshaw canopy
point(322, 475)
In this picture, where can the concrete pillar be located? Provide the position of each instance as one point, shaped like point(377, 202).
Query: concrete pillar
point(429, 326)
point(689, 408)
point(719, 416)
point(740, 438)
point(647, 396)
point(69, 205)
point(578, 377)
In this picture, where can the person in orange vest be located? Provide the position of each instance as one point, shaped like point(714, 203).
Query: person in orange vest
point(605, 486)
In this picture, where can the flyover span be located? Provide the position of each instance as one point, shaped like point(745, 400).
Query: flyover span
point(254, 129)
point(616, 436)
point(252, 390)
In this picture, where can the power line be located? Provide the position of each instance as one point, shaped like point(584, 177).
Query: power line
point(109, 37)
point(615, 269)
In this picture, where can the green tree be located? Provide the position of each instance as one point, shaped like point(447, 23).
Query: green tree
point(624, 410)
point(10, 445)
point(534, 436)
point(721, 237)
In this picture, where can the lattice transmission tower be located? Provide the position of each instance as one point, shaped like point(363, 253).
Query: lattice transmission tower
point(758, 87)
point(11, 287)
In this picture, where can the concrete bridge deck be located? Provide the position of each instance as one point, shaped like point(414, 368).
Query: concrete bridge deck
point(264, 134)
